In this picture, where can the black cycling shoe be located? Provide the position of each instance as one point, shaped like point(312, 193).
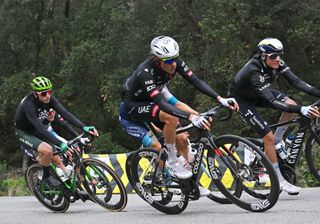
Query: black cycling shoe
point(84, 196)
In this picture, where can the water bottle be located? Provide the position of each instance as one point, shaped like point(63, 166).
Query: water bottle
point(289, 140)
point(192, 152)
point(61, 174)
point(280, 147)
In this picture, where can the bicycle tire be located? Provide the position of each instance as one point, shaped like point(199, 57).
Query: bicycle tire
point(312, 154)
point(216, 195)
point(100, 181)
point(247, 174)
point(55, 202)
point(157, 196)
point(128, 169)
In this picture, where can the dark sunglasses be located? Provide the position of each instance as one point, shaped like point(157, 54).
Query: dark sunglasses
point(44, 93)
point(274, 56)
point(169, 61)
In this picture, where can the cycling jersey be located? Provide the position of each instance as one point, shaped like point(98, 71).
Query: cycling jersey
point(146, 84)
point(254, 81)
point(138, 129)
point(31, 117)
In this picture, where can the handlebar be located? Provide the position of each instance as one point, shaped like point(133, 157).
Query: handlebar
point(210, 113)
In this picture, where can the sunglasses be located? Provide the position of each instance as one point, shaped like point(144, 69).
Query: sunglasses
point(44, 93)
point(274, 56)
point(169, 61)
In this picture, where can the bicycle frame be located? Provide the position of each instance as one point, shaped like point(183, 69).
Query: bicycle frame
point(296, 146)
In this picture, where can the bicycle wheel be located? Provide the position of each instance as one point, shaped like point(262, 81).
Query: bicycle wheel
point(160, 192)
point(216, 195)
point(103, 185)
point(312, 153)
point(52, 198)
point(128, 168)
point(238, 163)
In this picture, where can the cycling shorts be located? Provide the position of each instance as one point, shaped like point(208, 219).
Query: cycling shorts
point(30, 140)
point(252, 116)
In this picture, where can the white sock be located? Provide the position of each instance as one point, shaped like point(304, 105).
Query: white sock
point(278, 172)
point(171, 150)
point(278, 135)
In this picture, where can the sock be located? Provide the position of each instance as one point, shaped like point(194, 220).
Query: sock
point(278, 135)
point(46, 172)
point(278, 172)
point(171, 150)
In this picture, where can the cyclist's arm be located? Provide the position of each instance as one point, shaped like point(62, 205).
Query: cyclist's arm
point(39, 127)
point(50, 129)
point(199, 84)
point(148, 85)
point(264, 92)
point(56, 105)
point(299, 84)
point(66, 126)
point(175, 102)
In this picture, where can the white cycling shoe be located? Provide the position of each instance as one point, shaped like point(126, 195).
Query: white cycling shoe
point(289, 188)
point(177, 170)
point(204, 192)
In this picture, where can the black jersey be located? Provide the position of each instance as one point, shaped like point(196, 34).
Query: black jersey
point(147, 81)
point(255, 79)
point(31, 117)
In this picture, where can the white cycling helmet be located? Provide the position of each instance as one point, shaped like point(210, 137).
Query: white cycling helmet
point(270, 45)
point(164, 47)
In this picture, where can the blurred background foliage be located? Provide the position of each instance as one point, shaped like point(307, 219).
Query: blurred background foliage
point(88, 47)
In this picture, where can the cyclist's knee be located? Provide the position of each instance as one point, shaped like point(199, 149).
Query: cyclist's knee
point(183, 137)
point(269, 138)
point(168, 119)
point(45, 149)
point(290, 101)
point(172, 121)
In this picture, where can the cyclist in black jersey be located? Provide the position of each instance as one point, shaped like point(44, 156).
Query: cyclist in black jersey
point(144, 102)
point(30, 122)
point(252, 88)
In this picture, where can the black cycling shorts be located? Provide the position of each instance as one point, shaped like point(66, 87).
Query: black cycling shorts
point(252, 117)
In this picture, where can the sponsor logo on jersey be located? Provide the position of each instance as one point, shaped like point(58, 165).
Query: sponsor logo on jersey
point(149, 88)
point(148, 82)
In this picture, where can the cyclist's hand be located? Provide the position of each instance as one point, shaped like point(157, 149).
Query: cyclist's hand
point(64, 147)
point(231, 103)
point(310, 111)
point(91, 129)
point(200, 121)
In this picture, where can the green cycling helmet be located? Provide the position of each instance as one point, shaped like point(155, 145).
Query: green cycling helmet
point(41, 84)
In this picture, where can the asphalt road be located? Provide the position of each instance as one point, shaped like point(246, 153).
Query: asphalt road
point(304, 208)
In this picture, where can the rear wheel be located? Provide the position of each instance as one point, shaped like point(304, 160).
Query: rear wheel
point(312, 153)
point(103, 185)
point(51, 197)
point(160, 191)
point(237, 164)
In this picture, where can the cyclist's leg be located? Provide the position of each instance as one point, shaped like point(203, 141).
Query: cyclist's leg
point(252, 117)
point(150, 112)
point(43, 148)
point(285, 116)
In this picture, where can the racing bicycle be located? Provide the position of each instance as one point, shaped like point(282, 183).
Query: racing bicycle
point(242, 160)
point(92, 175)
point(312, 146)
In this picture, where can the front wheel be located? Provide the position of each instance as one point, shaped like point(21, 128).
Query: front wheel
point(103, 185)
point(312, 153)
point(50, 197)
point(154, 184)
point(237, 165)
